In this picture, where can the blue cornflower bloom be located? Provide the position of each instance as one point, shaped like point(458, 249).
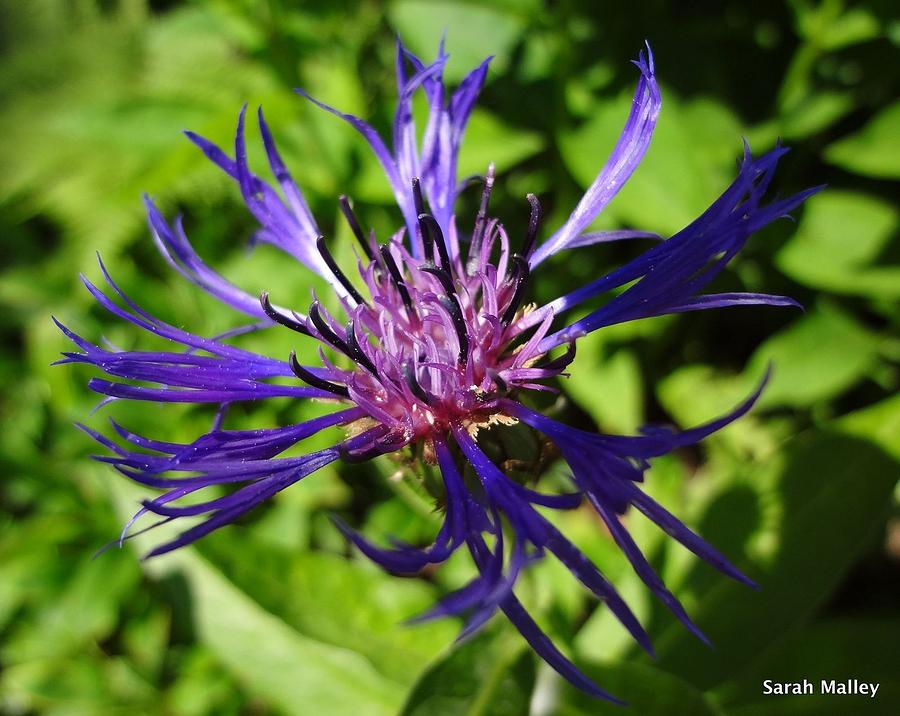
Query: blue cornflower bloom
point(440, 343)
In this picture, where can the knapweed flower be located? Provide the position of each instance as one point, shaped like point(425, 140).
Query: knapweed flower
point(435, 343)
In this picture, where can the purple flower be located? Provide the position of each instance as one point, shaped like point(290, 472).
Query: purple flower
point(435, 342)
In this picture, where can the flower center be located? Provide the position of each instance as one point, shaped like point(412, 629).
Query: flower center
point(439, 339)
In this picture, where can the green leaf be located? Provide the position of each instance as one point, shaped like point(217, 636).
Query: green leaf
point(647, 690)
point(201, 687)
point(146, 638)
point(854, 26)
point(608, 385)
point(473, 30)
point(271, 659)
point(320, 595)
point(490, 675)
point(100, 120)
point(835, 492)
point(827, 27)
point(878, 423)
point(86, 612)
point(818, 112)
point(488, 139)
point(873, 151)
point(817, 358)
point(839, 239)
point(79, 686)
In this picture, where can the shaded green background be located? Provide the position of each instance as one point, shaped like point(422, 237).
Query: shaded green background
point(273, 615)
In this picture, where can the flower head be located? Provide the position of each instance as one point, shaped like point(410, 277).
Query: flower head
point(435, 340)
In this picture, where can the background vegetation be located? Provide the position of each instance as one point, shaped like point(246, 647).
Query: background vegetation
point(274, 616)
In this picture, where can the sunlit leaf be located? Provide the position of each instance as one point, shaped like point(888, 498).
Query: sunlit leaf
point(824, 353)
point(610, 389)
point(878, 423)
point(873, 151)
point(273, 660)
point(838, 244)
point(473, 30)
point(647, 690)
point(490, 675)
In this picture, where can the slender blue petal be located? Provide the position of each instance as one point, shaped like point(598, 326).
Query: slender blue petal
point(401, 192)
point(531, 525)
point(606, 237)
point(539, 641)
point(626, 155)
point(227, 516)
point(173, 244)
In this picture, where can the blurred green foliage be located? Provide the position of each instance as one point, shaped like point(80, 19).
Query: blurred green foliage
point(273, 615)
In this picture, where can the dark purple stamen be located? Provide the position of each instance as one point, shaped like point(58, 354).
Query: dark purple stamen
point(358, 456)
point(442, 276)
point(355, 227)
point(338, 274)
point(561, 361)
point(397, 279)
point(369, 444)
point(279, 317)
point(451, 303)
point(533, 222)
point(430, 228)
point(328, 334)
point(520, 276)
point(470, 181)
point(427, 240)
point(481, 218)
point(501, 384)
point(418, 202)
point(356, 350)
point(316, 382)
point(409, 373)
point(361, 455)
